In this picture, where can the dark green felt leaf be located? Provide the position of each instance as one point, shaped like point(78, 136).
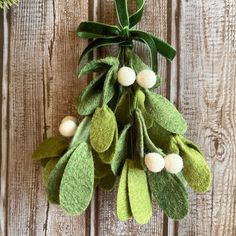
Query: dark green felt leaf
point(91, 97)
point(196, 170)
point(123, 210)
point(122, 110)
point(44, 161)
point(107, 156)
point(100, 169)
point(139, 147)
point(78, 181)
point(139, 196)
point(122, 151)
point(82, 132)
point(102, 129)
point(48, 168)
point(164, 113)
point(170, 194)
point(51, 147)
point(54, 179)
point(139, 103)
point(94, 65)
point(108, 181)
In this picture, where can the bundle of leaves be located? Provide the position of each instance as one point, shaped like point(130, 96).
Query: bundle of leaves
point(7, 3)
point(121, 125)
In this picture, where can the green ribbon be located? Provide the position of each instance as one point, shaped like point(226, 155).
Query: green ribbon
point(124, 34)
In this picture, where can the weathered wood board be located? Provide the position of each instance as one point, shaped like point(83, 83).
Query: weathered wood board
point(39, 55)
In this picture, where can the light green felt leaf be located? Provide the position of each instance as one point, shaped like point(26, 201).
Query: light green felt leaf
point(123, 210)
point(48, 168)
point(164, 113)
point(109, 154)
point(196, 170)
point(139, 196)
point(94, 65)
point(170, 194)
point(91, 97)
point(82, 132)
point(163, 139)
point(122, 110)
point(55, 176)
point(102, 129)
point(108, 181)
point(122, 151)
point(139, 103)
point(77, 182)
point(51, 147)
point(100, 169)
point(138, 65)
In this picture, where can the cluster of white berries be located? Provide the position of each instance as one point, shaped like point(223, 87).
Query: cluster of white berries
point(145, 78)
point(68, 126)
point(173, 163)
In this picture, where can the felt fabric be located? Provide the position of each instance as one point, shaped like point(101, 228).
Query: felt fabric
point(96, 65)
point(100, 169)
point(139, 103)
point(102, 129)
point(44, 161)
point(48, 168)
point(139, 196)
point(109, 154)
point(91, 97)
point(138, 65)
point(123, 210)
point(164, 113)
point(77, 181)
point(170, 194)
point(122, 151)
point(122, 110)
point(55, 176)
point(163, 139)
point(108, 181)
point(51, 147)
point(82, 132)
point(196, 170)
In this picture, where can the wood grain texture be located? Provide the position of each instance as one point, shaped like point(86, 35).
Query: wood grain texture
point(206, 96)
point(155, 21)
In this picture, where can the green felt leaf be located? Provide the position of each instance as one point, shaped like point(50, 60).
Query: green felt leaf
point(100, 169)
point(196, 170)
point(94, 65)
point(108, 181)
point(123, 210)
point(77, 182)
point(96, 183)
point(122, 110)
point(48, 168)
point(170, 194)
point(102, 129)
point(163, 139)
point(82, 132)
point(108, 88)
point(51, 147)
point(109, 154)
point(139, 103)
point(139, 196)
point(122, 151)
point(91, 97)
point(55, 176)
point(164, 113)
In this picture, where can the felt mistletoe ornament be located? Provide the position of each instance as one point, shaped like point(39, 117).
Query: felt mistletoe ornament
point(129, 134)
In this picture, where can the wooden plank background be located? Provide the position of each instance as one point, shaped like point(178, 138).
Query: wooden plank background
point(39, 55)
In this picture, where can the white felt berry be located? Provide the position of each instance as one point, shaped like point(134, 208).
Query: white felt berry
point(126, 76)
point(68, 126)
point(154, 162)
point(173, 163)
point(146, 78)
